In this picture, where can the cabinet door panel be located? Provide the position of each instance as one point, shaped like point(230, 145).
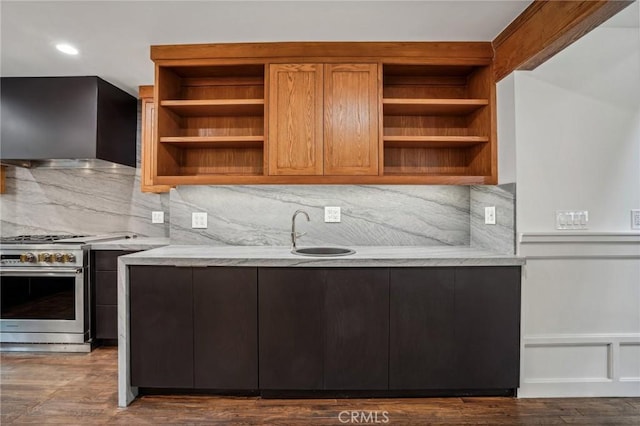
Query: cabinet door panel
point(161, 306)
point(107, 260)
point(356, 354)
point(487, 327)
point(422, 328)
point(106, 322)
point(106, 287)
point(295, 119)
point(291, 328)
point(351, 119)
point(226, 328)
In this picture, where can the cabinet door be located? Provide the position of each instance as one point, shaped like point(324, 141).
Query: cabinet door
point(225, 316)
point(487, 327)
point(295, 119)
point(161, 309)
point(147, 140)
point(422, 336)
point(291, 328)
point(356, 353)
point(351, 119)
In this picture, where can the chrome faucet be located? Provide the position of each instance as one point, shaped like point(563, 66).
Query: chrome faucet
point(294, 234)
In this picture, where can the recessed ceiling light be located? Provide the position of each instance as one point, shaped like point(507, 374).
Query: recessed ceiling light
point(67, 48)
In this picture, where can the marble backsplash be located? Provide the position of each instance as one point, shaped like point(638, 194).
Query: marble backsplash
point(500, 237)
point(79, 201)
point(371, 215)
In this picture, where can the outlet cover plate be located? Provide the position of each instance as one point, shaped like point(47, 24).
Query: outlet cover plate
point(199, 220)
point(635, 219)
point(490, 215)
point(157, 217)
point(332, 214)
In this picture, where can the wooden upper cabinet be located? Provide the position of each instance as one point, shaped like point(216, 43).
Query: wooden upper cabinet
point(295, 119)
point(323, 113)
point(323, 119)
point(351, 119)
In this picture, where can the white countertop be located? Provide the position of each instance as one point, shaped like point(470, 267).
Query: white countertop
point(136, 243)
point(202, 255)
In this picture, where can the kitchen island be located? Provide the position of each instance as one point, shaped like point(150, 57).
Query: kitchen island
point(383, 321)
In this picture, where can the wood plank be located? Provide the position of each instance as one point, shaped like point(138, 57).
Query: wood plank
point(226, 175)
point(441, 50)
point(432, 106)
point(434, 141)
point(545, 28)
point(215, 107)
point(3, 177)
point(214, 141)
point(81, 389)
point(145, 92)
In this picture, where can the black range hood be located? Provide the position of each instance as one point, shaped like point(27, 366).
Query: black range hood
point(66, 122)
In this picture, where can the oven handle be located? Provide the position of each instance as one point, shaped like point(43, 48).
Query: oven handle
point(40, 272)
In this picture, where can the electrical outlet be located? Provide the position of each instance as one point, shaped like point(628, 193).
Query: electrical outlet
point(572, 219)
point(157, 217)
point(490, 215)
point(635, 219)
point(332, 214)
point(199, 220)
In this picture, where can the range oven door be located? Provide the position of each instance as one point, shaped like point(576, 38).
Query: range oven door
point(47, 300)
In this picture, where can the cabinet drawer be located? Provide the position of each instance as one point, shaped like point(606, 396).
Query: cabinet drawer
point(107, 260)
point(106, 287)
point(106, 322)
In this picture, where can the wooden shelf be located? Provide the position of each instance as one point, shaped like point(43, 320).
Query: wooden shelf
point(404, 106)
point(433, 141)
point(214, 141)
point(215, 107)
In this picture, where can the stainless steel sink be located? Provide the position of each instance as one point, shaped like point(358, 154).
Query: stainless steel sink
point(323, 251)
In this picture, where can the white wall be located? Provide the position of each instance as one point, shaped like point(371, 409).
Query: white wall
point(577, 147)
point(578, 133)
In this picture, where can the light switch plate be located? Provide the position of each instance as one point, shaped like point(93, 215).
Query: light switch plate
point(490, 215)
point(635, 219)
point(157, 217)
point(332, 214)
point(572, 219)
point(199, 220)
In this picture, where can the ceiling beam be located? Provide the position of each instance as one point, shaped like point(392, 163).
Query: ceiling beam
point(545, 28)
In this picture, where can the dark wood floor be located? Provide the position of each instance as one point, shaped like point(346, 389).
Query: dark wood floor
point(81, 389)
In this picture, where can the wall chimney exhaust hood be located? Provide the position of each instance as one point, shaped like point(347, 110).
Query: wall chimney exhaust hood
point(66, 122)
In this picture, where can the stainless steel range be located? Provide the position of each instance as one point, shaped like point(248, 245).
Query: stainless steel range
point(44, 293)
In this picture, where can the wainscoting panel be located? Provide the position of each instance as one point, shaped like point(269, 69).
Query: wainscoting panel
point(580, 315)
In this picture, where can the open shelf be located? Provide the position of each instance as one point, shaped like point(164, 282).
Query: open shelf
point(214, 141)
point(432, 106)
point(215, 107)
point(433, 141)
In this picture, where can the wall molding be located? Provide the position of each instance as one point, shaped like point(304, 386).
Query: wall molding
point(614, 384)
point(579, 245)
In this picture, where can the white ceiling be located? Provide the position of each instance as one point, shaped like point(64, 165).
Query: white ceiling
point(114, 36)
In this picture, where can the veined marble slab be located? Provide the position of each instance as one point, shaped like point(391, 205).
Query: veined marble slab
point(391, 215)
point(500, 237)
point(373, 256)
point(79, 201)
